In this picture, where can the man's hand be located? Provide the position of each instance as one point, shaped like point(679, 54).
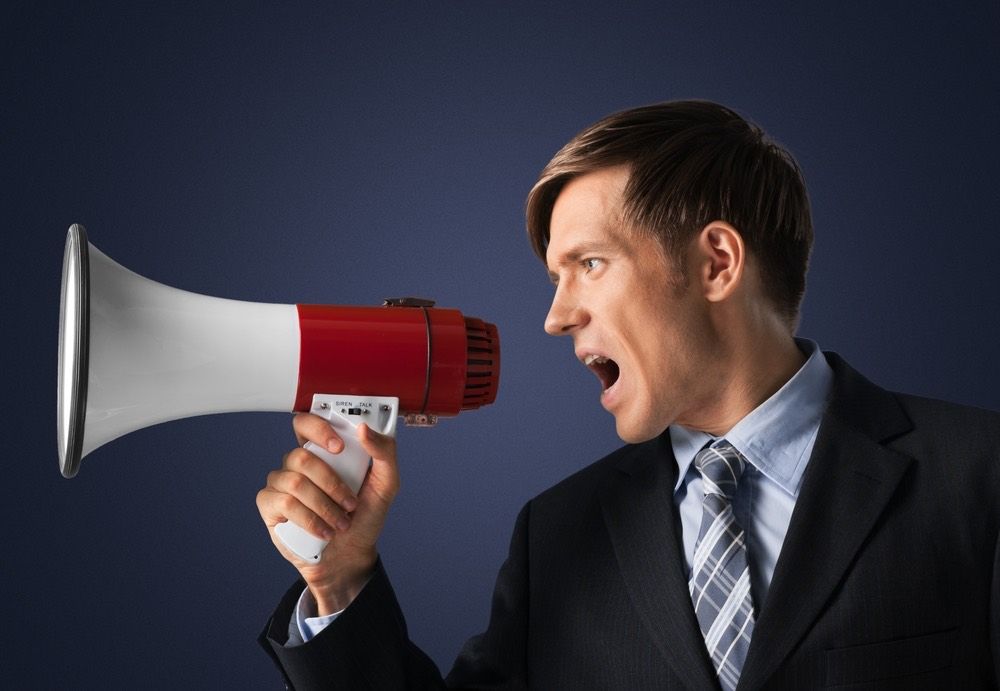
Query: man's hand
point(309, 493)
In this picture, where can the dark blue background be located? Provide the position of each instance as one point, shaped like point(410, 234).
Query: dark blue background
point(278, 153)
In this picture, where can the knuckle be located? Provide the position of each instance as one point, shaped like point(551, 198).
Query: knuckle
point(296, 457)
point(309, 462)
point(286, 503)
point(295, 483)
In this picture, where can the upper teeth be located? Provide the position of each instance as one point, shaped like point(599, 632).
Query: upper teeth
point(591, 359)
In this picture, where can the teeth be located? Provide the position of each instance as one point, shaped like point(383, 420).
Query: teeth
point(591, 359)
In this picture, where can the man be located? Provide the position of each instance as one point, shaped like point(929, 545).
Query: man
point(774, 521)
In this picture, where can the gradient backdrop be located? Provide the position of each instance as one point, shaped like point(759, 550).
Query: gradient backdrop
point(346, 152)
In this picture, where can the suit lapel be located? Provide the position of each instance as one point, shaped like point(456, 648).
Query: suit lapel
point(850, 478)
point(638, 509)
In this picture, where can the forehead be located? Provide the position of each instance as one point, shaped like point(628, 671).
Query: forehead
point(588, 213)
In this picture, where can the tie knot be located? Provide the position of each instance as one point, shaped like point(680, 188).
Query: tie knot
point(721, 467)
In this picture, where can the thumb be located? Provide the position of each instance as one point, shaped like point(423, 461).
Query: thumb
point(383, 479)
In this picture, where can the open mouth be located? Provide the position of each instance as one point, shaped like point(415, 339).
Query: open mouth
point(606, 369)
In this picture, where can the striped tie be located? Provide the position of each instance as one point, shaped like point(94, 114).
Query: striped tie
point(720, 578)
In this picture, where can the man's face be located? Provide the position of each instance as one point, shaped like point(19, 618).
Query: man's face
point(647, 339)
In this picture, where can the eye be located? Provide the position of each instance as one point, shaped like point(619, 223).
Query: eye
point(591, 263)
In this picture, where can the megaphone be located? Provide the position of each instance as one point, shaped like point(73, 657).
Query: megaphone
point(134, 352)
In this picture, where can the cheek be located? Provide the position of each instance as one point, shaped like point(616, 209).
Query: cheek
point(669, 354)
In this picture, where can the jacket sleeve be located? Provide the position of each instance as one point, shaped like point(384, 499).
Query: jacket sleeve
point(995, 616)
point(498, 657)
point(368, 647)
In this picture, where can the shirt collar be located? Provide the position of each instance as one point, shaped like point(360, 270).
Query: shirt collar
point(775, 436)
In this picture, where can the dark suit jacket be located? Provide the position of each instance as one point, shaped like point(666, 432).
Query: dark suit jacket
point(889, 576)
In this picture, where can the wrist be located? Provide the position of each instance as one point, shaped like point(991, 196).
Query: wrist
point(334, 594)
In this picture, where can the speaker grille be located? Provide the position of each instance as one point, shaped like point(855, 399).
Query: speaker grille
point(483, 374)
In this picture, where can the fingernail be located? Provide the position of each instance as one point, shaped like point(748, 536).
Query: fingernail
point(334, 445)
point(343, 523)
point(349, 504)
point(329, 533)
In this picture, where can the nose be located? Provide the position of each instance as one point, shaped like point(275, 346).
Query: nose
point(565, 315)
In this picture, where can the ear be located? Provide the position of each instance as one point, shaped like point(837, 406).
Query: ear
point(721, 260)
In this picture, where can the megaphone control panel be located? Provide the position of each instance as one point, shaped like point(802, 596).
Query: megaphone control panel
point(345, 413)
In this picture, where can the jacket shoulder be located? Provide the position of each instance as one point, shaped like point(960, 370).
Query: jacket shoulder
point(587, 478)
point(964, 419)
point(585, 482)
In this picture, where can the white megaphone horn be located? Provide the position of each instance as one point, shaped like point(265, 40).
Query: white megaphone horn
point(134, 352)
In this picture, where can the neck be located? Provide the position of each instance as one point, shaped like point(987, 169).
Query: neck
point(753, 369)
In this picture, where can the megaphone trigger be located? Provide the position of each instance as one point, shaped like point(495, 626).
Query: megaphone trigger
point(344, 412)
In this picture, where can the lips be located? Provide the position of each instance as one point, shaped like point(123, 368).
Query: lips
point(605, 368)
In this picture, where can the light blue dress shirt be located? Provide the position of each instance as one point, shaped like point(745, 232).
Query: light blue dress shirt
point(777, 438)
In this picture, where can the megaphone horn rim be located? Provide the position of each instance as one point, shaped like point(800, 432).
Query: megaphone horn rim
point(74, 347)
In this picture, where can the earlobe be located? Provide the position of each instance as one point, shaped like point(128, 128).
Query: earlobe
point(723, 256)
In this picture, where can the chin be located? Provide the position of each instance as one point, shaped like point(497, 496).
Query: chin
point(636, 432)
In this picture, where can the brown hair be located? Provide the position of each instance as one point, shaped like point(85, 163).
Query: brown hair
point(691, 163)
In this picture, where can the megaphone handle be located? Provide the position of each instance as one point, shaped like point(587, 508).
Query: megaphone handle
point(345, 413)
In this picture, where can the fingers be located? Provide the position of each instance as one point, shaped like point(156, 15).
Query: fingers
point(309, 493)
point(300, 461)
point(309, 427)
point(277, 507)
